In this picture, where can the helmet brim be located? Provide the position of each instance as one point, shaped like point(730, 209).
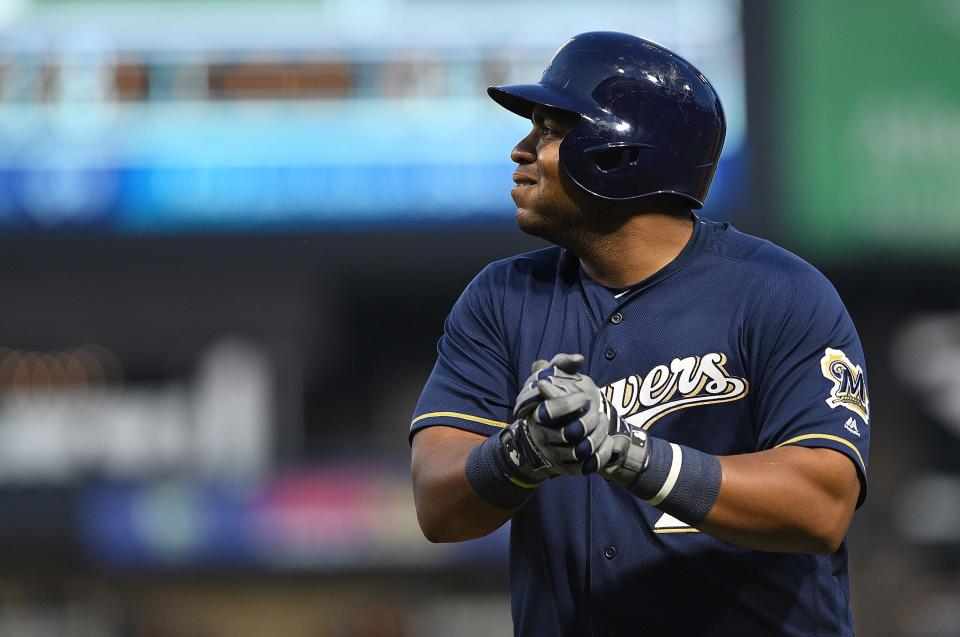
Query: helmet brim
point(523, 98)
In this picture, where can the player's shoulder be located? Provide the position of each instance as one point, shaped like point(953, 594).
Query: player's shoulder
point(500, 289)
point(537, 265)
point(504, 282)
point(543, 259)
point(763, 261)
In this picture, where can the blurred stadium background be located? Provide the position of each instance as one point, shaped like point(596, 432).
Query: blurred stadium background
point(230, 233)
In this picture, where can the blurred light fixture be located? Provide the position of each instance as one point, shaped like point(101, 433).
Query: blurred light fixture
point(926, 510)
point(80, 375)
point(926, 355)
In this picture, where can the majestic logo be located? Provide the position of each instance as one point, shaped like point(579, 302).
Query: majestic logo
point(851, 426)
point(849, 389)
point(685, 382)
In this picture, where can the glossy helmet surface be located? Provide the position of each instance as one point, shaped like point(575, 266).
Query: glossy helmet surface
point(650, 122)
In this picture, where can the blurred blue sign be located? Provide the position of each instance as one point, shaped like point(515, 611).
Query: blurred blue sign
point(136, 119)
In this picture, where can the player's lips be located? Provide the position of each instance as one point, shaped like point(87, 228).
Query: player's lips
point(522, 179)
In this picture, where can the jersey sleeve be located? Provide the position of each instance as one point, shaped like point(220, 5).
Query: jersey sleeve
point(472, 385)
point(811, 389)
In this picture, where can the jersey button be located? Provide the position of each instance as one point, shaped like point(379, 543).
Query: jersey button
point(617, 318)
point(610, 552)
point(610, 354)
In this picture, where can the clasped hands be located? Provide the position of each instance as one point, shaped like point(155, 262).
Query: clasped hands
point(565, 426)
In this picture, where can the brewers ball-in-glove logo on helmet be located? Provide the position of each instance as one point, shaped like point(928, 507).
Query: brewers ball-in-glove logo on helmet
point(650, 122)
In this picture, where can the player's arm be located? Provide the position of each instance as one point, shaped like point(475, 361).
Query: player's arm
point(448, 508)
point(785, 499)
point(467, 485)
point(786, 496)
point(791, 498)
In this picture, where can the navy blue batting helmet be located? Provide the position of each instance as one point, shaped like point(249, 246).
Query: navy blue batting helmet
point(650, 122)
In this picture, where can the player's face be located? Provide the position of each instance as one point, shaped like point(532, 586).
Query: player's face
point(548, 205)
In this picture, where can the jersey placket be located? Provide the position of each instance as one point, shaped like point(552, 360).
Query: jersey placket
point(611, 311)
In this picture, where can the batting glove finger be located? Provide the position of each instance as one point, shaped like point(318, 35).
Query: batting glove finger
point(574, 431)
point(552, 438)
point(583, 449)
point(569, 363)
point(538, 365)
point(562, 366)
point(527, 400)
point(604, 446)
point(530, 396)
point(560, 409)
point(604, 454)
point(595, 437)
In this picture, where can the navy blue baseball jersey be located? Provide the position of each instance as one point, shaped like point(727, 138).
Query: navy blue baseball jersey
point(736, 346)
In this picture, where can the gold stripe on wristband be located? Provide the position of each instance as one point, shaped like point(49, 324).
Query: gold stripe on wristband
point(519, 483)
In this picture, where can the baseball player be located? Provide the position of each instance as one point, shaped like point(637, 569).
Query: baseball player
point(673, 414)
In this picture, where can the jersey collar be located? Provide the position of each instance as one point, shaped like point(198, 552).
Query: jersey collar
point(602, 301)
point(696, 244)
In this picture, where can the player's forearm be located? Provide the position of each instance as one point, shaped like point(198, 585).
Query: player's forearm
point(448, 508)
point(792, 499)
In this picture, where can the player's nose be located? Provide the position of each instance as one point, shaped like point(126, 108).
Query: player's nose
point(525, 152)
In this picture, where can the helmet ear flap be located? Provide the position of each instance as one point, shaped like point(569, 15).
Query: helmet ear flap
point(613, 157)
point(597, 165)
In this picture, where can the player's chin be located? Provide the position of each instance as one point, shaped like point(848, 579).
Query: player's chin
point(537, 225)
point(529, 221)
point(533, 216)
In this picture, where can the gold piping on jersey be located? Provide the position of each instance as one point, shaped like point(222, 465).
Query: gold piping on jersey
point(826, 437)
point(454, 414)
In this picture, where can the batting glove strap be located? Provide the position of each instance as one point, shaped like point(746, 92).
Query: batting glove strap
point(678, 480)
point(635, 459)
point(493, 473)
